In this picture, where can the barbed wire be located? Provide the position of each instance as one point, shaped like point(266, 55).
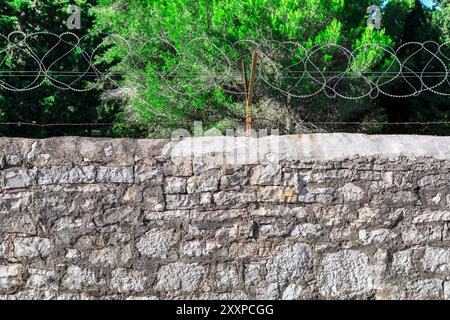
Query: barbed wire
point(200, 65)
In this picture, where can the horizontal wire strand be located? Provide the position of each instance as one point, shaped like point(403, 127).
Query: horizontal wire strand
point(306, 123)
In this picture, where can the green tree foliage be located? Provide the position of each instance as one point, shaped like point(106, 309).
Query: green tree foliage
point(416, 25)
point(46, 104)
point(159, 92)
point(442, 18)
point(166, 27)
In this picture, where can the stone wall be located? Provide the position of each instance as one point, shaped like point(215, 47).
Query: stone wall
point(334, 217)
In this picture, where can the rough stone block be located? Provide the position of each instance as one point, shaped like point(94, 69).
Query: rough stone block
point(203, 183)
point(289, 262)
point(111, 257)
point(78, 279)
point(157, 243)
point(179, 276)
point(345, 274)
point(17, 223)
point(115, 175)
point(226, 278)
point(40, 279)
point(351, 193)
point(174, 185)
point(425, 289)
point(436, 260)
point(125, 281)
point(432, 216)
point(379, 236)
point(296, 292)
point(422, 234)
point(153, 199)
point(402, 262)
point(180, 202)
point(307, 231)
point(447, 290)
point(148, 176)
point(33, 247)
point(293, 179)
point(253, 275)
point(197, 248)
point(266, 175)
point(17, 178)
point(233, 199)
point(234, 180)
point(9, 277)
point(277, 194)
point(63, 175)
point(120, 215)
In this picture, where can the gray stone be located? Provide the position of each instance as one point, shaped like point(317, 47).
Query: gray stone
point(277, 194)
point(351, 193)
point(281, 211)
point(17, 223)
point(292, 179)
point(109, 151)
point(125, 281)
point(40, 279)
point(204, 183)
point(390, 291)
point(157, 243)
point(62, 175)
point(14, 179)
point(402, 262)
point(77, 278)
point(179, 276)
point(378, 236)
point(266, 175)
point(326, 176)
point(9, 277)
point(253, 276)
point(31, 247)
point(197, 248)
point(307, 231)
point(345, 274)
point(148, 176)
point(318, 194)
point(276, 230)
point(2, 161)
point(436, 260)
point(115, 175)
point(233, 199)
point(425, 289)
point(432, 216)
point(289, 262)
point(403, 198)
point(180, 201)
point(226, 277)
point(415, 235)
point(234, 180)
point(31, 155)
point(181, 167)
point(73, 254)
point(153, 199)
point(430, 180)
point(271, 292)
point(111, 257)
point(294, 292)
point(175, 185)
point(447, 290)
point(117, 215)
